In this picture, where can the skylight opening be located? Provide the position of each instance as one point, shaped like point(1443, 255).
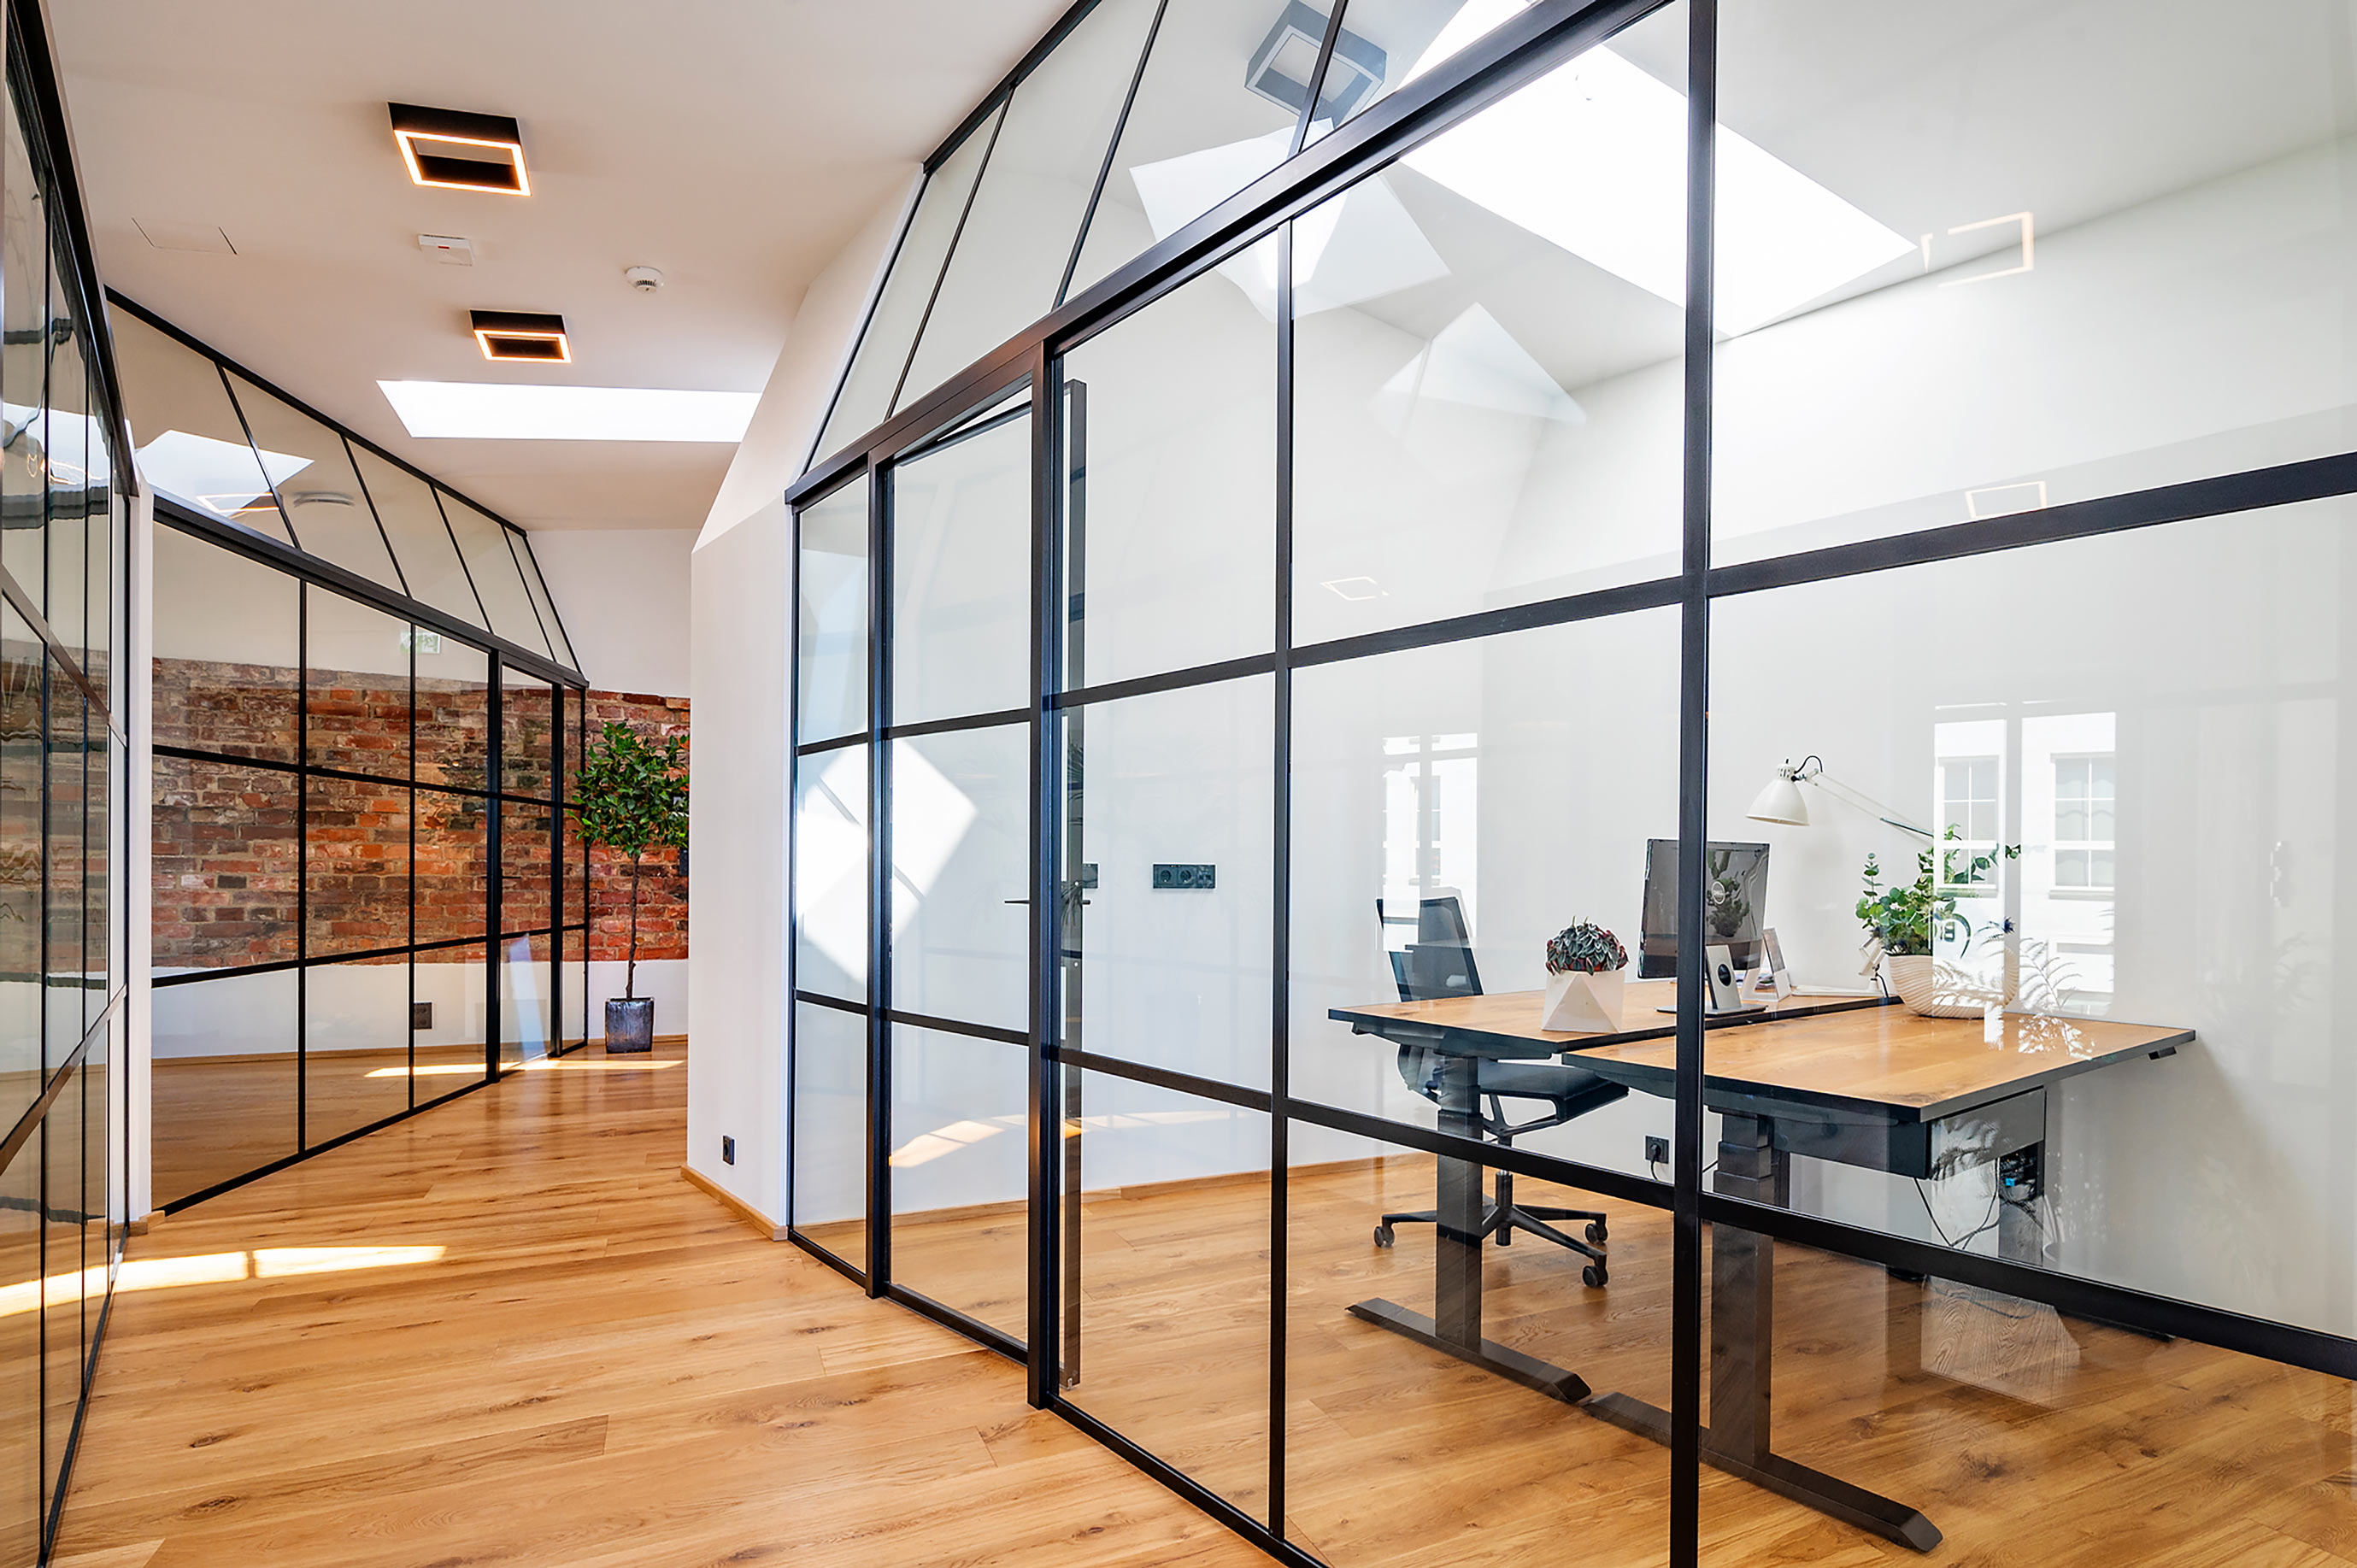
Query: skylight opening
point(483, 411)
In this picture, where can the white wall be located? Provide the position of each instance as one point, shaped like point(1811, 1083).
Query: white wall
point(624, 596)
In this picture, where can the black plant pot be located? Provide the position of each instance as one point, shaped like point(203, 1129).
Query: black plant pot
point(629, 1024)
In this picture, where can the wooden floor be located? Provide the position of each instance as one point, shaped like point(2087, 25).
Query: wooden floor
point(602, 1368)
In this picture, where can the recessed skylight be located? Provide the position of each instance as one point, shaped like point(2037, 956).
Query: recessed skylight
point(451, 149)
point(480, 411)
point(521, 334)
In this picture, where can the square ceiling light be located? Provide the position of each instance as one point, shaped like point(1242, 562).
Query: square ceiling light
point(450, 149)
point(522, 335)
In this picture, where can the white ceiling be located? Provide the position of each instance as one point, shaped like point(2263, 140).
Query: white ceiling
point(733, 145)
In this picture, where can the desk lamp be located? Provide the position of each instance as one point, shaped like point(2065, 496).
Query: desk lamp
point(1781, 800)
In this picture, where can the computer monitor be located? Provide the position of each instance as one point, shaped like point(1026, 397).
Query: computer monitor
point(1734, 906)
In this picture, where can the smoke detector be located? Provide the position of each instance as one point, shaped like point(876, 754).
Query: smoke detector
point(646, 280)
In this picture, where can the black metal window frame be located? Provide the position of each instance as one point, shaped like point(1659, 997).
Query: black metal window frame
point(568, 737)
point(1517, 52)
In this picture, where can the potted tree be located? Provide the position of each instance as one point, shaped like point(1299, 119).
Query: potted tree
point(1584, 974)
point(632, 798)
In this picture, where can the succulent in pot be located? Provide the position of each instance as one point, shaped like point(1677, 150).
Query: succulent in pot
point(1585, 963)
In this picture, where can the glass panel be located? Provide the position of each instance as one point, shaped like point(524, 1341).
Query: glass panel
point(101, 587)
point(1173, 557)
point(191, 445)
point(961, 840)
point(1387, 44)
point(491, 567)
point(1454, 334)
point(61, 1278)
point(525, 1000)
point(1203, 126)
point(1161, 969)
point(867, 391)
point(355, 1046)
point(831, 846)
point(65, 866)
point(1449, 820)
point(453, 857)
point(102, 1198)
point(1145, 1169)
point(527, 735)
point(224, 1082)
point(959, 1158)
point(100, 857)
point(358, 865)
point(225, 684)
point(318, 489)
point(2206, 930)
point(573, 1029)
point(357, 669)
point(524, 848)
point(412, 519)
point(537, 585)
point(21, 1075)
point(829, 1192)
point(1973, 314)
point(20, 1331)
point(1362, 1401)
point(1019, 233)
point(961, 573)
point(454, 713)
point(448, 1053)
point(24, 369)
point(66, 439)
point(224, 865)
point(831, 577)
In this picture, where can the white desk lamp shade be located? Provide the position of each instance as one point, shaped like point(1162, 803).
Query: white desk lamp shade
point(1780, 802)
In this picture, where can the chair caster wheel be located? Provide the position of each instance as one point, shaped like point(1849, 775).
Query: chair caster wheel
point(1596, 1233)
point(1594, 1275)
point(1383, 1235)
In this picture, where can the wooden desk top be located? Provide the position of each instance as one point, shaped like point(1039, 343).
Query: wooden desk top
point(1860, 1054)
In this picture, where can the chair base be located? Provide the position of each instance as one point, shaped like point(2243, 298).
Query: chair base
point(1502, 1220)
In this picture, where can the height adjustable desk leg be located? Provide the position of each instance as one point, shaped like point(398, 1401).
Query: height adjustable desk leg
point(1742, 1353)
point(1455, 1326)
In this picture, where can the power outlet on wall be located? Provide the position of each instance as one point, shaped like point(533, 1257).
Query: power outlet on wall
point(727, 1151)
point(1189, 876)
point(1657, 1151)
point(420, 1014)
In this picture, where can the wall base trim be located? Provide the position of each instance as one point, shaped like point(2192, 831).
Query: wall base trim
point(770, 1228)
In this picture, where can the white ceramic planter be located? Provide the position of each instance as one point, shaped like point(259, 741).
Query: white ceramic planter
point(1584, 1004)
point(1937, 991)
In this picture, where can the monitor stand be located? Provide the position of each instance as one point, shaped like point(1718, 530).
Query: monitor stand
point(1742, 1010)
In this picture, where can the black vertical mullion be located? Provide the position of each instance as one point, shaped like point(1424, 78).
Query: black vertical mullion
point(302, 864)
point(460, 552)
point(553, 1042)
point(285, 513)
point(948, 258)
point(1104, 169)
point(880, 876)
point(1281, 854)
point(369, 500)
point(1317, 82)
point(1045, 1122)
point(530, 599)
point(1687, 1345)
point(494, 888)
point(410, 1026)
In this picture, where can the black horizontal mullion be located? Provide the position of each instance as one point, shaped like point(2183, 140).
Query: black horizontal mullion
point(1166, 1078)
point(25, 604)
point(362, 955)
point(1496, 1156)
point(950, 1317)
point(1002, 718)
point(55, 1085)
point(2073, 1293)
point(957, 1026)
point(820, 999)
point(1169, 681)
point(1656, 594)
point(2255, 490)
point(837, 743)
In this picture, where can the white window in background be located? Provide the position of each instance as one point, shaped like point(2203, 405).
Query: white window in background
point(1970, 806)
point(1431, 825)
point(2084, 799)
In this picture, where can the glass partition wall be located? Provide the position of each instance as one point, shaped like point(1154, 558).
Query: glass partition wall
point(366, 723)
point(1847, 501)
point(64, 550)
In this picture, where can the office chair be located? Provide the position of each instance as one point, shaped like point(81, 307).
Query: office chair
point(1440, 964)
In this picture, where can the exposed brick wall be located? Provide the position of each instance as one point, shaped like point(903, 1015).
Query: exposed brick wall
point(225, 835)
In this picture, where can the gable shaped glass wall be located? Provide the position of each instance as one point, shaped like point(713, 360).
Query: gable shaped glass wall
point(1752, 477)
point(63, 551)
point(368, 894)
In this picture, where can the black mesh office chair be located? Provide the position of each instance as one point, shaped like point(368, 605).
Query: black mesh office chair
point(1439, 963)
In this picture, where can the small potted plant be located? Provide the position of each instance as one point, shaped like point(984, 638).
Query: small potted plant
point(1901, 918)
point(1584, 981)
point(631, 798)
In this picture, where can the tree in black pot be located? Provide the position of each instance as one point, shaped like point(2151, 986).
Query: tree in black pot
point(632, 798)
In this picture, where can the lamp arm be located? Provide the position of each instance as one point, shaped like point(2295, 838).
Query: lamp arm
point(1859, 801)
